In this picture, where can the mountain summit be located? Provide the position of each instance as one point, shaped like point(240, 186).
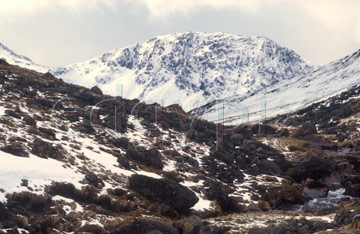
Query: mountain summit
point(191, 69)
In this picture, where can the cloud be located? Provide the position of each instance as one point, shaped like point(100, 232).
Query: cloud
point(341, 16)
point(26, 7)
point(165, 8)
point(337, 15)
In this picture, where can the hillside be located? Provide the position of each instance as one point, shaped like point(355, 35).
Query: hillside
point(71, 162)
point(20, 60)
point(288, 96)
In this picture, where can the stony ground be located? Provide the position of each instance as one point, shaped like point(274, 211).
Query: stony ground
point(67, 167)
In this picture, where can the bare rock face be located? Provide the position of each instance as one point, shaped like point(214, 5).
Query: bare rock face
point(164, 191)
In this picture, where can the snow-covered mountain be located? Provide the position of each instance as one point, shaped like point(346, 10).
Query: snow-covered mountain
point(191, 69)
point(20, 60)
point(287, 96)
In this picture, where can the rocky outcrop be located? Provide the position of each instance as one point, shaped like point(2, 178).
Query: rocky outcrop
point(44, 149)
point(164, 191)
point(285, 196)
point(15, 148)
point(314, 168)
point(152, 158)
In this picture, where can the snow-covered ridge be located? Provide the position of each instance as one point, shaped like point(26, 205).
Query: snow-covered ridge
point(20, 60)
point(289, 96)
point(189, 68)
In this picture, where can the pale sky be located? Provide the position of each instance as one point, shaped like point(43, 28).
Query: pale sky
point(60, 32)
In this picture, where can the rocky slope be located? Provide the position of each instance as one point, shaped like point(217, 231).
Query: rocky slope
point(19, 60)
point(190, 69)
point(288, 96)
point(71, 162)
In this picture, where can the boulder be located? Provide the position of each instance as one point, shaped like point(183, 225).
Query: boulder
point(314, 168)
point(124, 162)
point(216, 191)
point(285, 196)
point(91, 228)
point(264, 129)
point(191, 225)
point(44, 149)
point(305, 130)
point(48, 133)
point(15, 148)
point(269, 167)
point(12, 114)
point(30, 121)
point(96, 90)
point(146, 227)
point(283, 132)
point(93, 179)
point(152, 157)
point(164, 191)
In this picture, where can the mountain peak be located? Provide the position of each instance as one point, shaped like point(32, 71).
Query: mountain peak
point(190, 68)
point(16, 59)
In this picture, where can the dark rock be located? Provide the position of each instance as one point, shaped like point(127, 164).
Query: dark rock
point(325, 146)
point(150, 157)
point(41, 102)
point(15, 148)
point(44, 149)
point(48, 75)
point(119, 192)
point(91, 228)
point(271, 179)
point(285, 196)
point(283, 132)
point(345, 217)
point(164, 191)
point(49, 133)
point(216, 191)
point(96, 90)
point(264, 129)
point(292, 121)
point(269, 167)
point(305, 130)
point(124, 162)
point(122, 142)
point(315, 168)
point(12, 114)
point(30, 121)
point(146, 226)
point(8, 224)
point(84, 127)
point(191, 225)
point(94, 179)
point(352, 189)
